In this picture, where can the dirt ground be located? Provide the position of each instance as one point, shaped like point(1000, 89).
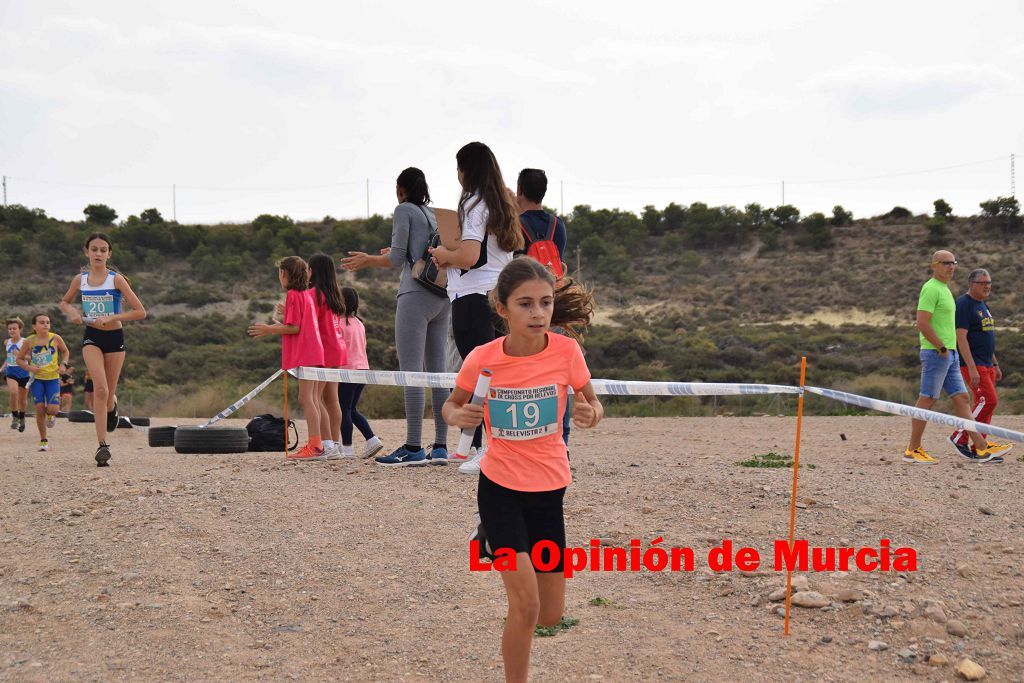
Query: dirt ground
point(242, 567)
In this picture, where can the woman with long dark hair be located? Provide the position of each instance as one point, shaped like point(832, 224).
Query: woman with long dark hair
point(421, 319)
point(489, 219)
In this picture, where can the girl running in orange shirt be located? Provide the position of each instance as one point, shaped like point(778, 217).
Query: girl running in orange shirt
point(526, 471)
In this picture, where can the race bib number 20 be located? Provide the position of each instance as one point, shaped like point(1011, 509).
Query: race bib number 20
point(523, 414)
point(97, 305)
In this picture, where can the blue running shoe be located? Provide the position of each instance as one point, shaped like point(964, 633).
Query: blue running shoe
point(439, 456)
point(400, 457)
point(963, 449)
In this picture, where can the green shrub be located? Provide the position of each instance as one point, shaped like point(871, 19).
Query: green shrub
point(938, 233)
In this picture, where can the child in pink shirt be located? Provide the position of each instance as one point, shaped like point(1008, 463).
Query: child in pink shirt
point(300, 345)
point(526, 471)
point(354, 335)
point(330, 307)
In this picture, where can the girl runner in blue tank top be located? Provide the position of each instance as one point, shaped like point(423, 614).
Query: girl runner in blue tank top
point(17, 378)
point(102, 290)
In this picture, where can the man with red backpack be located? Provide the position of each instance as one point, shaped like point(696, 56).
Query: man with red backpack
point(544, 232)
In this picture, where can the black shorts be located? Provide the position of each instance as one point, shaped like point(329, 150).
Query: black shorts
point(88, 386)
point(520, 519)
point(107, 341)
point(22, 381)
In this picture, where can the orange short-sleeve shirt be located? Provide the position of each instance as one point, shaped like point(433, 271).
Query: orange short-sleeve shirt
point(523, 411)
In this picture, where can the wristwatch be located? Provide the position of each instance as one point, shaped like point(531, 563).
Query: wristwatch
point(943, 350)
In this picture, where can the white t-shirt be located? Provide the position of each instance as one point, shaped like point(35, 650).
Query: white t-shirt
point(483, 279)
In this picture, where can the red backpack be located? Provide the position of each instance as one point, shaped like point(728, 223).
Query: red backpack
point(545, 250)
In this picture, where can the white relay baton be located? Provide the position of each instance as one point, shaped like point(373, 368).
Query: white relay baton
point(88, 319)
point(479, 394)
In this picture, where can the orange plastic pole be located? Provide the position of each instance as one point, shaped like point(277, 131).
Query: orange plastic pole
point(286, 413)
point(796, 471)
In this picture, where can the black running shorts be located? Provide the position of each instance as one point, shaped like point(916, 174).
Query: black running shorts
point(107, 341)
point(519, 519)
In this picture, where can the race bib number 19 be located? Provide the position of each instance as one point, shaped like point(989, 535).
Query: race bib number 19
point(523, 414)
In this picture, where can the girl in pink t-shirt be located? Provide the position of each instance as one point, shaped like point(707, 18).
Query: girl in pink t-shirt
point(300, 345)
point(354, 334)
point(330, 308)
point(526, 471)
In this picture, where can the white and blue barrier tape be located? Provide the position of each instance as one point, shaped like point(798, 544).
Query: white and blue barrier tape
point(609, 387)
point(242, 401)
point(430, 380)
point(612, 387)
point(917, 413)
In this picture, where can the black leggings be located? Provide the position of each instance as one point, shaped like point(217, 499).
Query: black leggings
point(348, 396)
point(474, 324)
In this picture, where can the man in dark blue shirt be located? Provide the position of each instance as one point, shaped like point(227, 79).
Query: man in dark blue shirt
point(530, 190)
point(976, 341)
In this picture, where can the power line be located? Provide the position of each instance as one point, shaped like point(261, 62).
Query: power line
point(268, 190)
point(91, 185)
point(791, 182)
point(896, 175)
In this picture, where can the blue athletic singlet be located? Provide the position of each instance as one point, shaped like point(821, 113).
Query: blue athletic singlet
point(102, 300)
point(12, 350)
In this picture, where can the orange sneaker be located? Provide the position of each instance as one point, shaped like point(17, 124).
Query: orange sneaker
point(307, 452)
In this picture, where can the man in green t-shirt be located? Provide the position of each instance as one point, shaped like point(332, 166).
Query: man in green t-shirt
point(940, 365)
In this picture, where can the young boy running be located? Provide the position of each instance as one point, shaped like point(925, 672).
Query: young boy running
point(17, 379)
point(43, 349)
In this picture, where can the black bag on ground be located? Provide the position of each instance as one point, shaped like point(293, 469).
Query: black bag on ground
point(267, 433)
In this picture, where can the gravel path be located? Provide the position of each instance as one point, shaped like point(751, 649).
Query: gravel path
point(174, 567)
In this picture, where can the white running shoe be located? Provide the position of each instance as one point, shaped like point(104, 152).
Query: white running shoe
point(44, 445)
point(473, 466)
point(347, 451)
point(455, 457)
point(372, 448)
point(51, 421)
point(332, 453)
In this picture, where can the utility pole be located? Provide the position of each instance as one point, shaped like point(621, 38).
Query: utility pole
point(783, 192)
point(1013, 182)
point(5, 191)
point(367, 197)
point(174, 202)
point(577, 260)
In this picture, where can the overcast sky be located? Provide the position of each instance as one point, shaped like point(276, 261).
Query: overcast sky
point(270, 107)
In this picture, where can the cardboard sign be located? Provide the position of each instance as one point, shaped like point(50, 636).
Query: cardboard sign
point(448, 227)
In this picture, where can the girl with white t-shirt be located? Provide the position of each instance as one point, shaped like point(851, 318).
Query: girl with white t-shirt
point(489, 220)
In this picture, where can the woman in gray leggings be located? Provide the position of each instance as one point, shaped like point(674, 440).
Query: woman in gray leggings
point(422, 319)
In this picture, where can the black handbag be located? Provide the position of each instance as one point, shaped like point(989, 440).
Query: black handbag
point(425, 271)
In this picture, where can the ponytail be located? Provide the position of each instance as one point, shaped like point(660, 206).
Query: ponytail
point(414, 183)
